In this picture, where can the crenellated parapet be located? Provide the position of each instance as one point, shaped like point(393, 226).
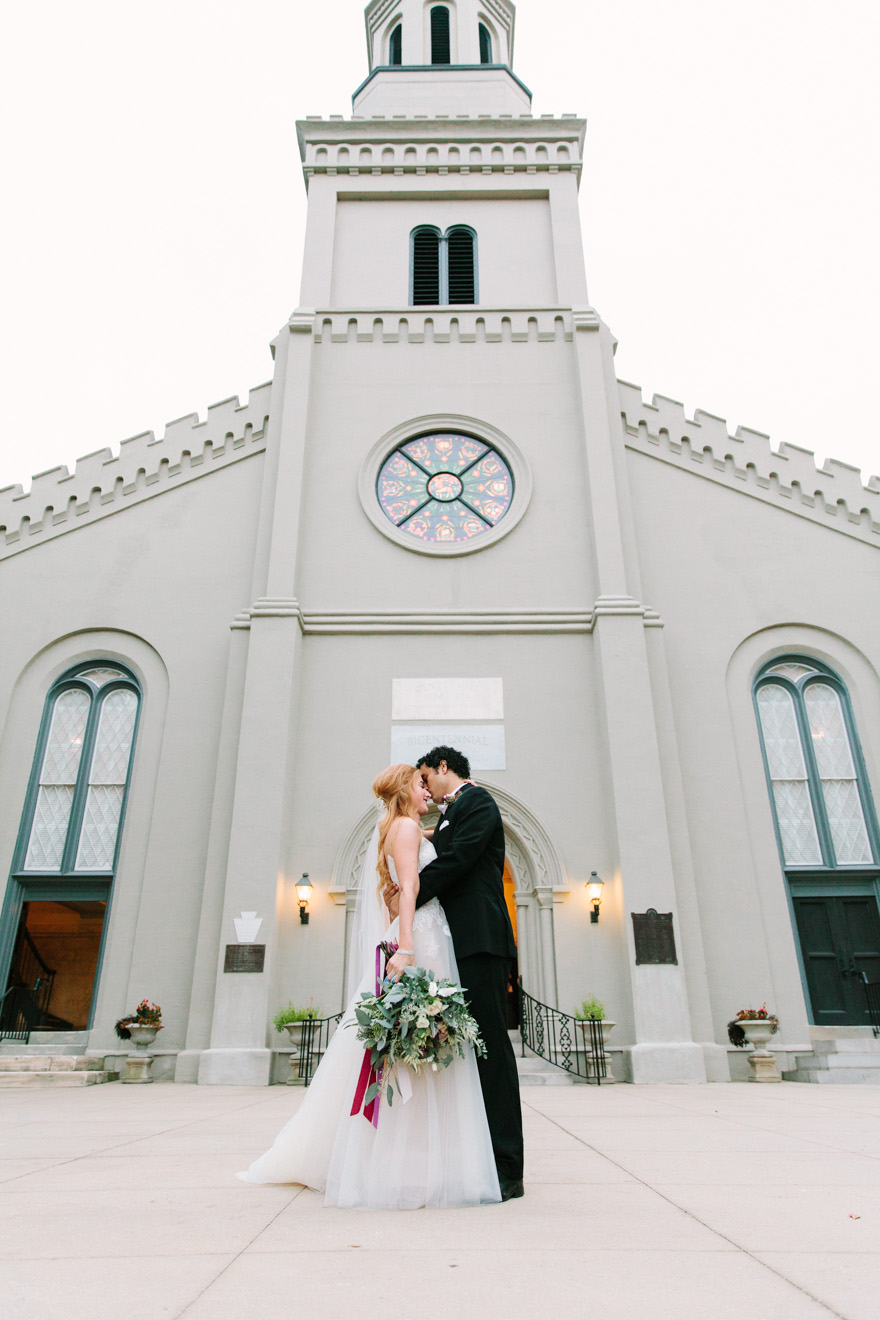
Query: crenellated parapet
point(103, 483)
point(441, 144)
point(461, 325)
point(788, 478)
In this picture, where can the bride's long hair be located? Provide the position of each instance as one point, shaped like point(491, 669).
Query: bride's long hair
point(393, 787)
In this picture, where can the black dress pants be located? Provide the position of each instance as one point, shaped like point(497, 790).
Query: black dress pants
point(484, 977)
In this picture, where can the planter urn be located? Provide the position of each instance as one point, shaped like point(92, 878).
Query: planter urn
point(139, 1064)
point(762, 1064)
point(607, 1027)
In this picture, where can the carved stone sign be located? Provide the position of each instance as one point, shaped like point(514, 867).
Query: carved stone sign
point(244, 958)
point(482, 744)
point(654, 937)
point(447, 699)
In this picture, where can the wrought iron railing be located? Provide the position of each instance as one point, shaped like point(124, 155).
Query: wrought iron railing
point(872, 996)
point(573, 1044)
point(25, 1004)
point(9, 1033)
point(315, 1038)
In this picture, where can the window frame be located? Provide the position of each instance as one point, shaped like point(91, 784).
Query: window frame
point(443, 263)
point(830, 866)
point(433, 423)
point(73, 680)
point(397, 28)
point(485, 35)
point(447, 10)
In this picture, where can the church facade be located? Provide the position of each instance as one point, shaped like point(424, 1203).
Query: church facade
point(443, 520)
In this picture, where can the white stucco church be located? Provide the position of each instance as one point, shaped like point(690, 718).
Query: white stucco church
point(443, 520)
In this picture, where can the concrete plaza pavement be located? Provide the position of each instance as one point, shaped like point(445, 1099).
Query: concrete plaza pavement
point(651, 1202)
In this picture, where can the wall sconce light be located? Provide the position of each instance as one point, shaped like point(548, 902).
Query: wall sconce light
point(595, 887)
point(304, 889)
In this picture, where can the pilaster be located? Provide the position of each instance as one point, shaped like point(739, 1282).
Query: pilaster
point(254, 875)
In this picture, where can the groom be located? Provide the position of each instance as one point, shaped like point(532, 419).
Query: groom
point(467, 878)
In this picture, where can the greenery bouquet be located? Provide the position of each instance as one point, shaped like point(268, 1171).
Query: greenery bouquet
point(419, 1021)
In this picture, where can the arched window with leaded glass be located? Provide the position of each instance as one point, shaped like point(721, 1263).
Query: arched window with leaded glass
point(76, 801)
point(821, 801)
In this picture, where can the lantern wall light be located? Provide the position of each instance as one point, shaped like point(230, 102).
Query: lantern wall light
point(594, 889)
point(304, 889)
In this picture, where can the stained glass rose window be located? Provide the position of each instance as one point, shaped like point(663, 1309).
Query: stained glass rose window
point(445, 488)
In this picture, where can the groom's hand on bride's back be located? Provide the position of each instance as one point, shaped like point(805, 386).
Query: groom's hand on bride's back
point(391, 896)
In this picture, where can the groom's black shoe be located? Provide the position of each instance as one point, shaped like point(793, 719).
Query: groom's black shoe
point(511, 1188)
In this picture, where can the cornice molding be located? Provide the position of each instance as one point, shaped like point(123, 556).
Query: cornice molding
point(445, 623)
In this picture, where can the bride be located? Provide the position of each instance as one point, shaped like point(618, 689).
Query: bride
point(433, 1149)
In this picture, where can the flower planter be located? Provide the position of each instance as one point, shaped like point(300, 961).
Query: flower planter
point(139, 1064)
point(607, 1027)
point(295, 1033)
point(762, 1064)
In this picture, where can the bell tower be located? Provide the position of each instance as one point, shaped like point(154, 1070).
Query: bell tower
point(454, 56)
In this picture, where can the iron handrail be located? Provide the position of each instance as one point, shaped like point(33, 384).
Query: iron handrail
point(314, 1040)
point(872, 997)
point(553, 1036)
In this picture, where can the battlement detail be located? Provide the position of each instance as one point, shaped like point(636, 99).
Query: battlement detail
point(788, 478)
point(102, 483)
point(418, 325)
point(442, 144)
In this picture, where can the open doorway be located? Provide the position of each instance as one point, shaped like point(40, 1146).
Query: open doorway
point(513, 983)
point(54, 966)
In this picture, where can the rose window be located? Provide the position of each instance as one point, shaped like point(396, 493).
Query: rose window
point(445, 488)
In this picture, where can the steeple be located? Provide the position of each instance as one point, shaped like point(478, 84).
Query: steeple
point(451, 58)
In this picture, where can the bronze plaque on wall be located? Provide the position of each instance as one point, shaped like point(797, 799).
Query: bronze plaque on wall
point(654, 937)
point(245, 958)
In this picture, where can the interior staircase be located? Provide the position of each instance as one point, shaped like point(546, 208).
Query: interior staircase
point(843, 1055)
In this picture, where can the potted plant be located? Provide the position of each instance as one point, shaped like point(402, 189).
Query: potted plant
point(593, 1010)
point(291, 1020)
point(755, 1027)
point(142, 1026)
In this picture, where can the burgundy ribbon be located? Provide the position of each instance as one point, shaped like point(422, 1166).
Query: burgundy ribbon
point(368, 1074)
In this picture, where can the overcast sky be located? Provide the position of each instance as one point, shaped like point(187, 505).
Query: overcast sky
point(154, 209)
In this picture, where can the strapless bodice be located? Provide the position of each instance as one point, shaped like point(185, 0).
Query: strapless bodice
point(427, 853)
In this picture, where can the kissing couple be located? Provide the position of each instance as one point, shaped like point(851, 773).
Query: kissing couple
point(457, 1140)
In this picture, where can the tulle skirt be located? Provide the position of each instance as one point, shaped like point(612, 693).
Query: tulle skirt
point(433, 1150)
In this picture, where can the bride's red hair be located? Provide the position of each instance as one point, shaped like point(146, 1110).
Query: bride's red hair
point(393, 787)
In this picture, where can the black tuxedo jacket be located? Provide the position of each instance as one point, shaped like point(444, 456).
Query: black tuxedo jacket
point(468, 875)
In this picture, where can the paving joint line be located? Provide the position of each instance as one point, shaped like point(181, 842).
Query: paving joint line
point(696, 1218)
point(229, 1264)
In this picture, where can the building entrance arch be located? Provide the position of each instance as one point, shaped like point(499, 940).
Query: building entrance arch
point(539, 883)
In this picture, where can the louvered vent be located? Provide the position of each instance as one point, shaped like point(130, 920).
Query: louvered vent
point(426, 267)
point(462, 272)
point(395, 45)
point(485, 45)
point(440, 47)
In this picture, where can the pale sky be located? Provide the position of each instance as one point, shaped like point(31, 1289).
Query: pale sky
point(154, 212)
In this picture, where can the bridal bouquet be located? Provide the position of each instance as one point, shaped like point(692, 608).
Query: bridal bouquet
point(419, 1021)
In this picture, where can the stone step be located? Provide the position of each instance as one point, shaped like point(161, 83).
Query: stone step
point(837, 1077)
point(867, 1045)
point(842, 1033)
point(50, 1063)
point(537, 1072)
point(835, 1062)
point(10, 1081)
point(60, 1043)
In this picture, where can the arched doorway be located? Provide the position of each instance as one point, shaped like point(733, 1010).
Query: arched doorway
point(534, 883)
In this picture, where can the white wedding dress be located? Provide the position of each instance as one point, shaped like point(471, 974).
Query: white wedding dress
point(433, 1150)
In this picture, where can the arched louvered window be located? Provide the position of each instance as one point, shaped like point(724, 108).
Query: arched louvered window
point(822, 805)
point(460, 248)
point(441, 50)
point(485, 45)
point(395, 45)
point(443, 266)
point(76, 801)
point(425, 279)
